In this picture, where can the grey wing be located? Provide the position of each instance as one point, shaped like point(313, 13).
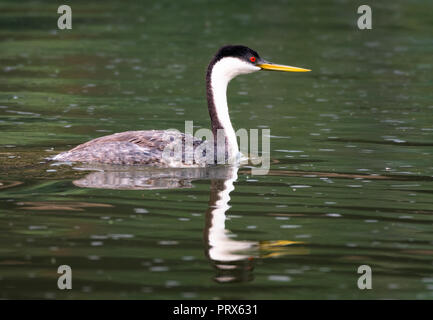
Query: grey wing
point(126, 148)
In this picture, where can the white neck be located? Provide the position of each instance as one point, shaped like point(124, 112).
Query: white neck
point(222, 72)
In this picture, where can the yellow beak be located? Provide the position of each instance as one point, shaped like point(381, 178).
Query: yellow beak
point(280, 67)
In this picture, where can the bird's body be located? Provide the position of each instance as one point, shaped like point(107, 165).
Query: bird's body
point(129, 148)
point(150, 147)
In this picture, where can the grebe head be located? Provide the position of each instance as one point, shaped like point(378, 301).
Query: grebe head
point(233, 60)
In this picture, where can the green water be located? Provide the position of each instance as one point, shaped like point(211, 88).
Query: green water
point(351, 180)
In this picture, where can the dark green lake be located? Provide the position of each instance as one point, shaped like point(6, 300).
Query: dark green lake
point(351, 179)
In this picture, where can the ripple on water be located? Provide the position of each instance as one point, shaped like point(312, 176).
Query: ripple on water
point(168, 242)
point(172, 283)
point(299, 186)
point(334, 215)
point(140, 210)
point(188, 258)
point(188, 295)
point(290, 151)
point(371, 221)
point(117, 236)
point(290, 226)
point(279, 278)
point(37, 227)
point(159, 269)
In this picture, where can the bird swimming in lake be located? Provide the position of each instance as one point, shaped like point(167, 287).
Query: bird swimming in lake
point(147, 147)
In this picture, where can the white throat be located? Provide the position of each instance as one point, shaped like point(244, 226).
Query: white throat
point(222, 72)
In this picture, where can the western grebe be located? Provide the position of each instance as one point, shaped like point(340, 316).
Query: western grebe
point(147, 147)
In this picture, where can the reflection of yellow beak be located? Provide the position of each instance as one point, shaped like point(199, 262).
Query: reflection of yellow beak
point(267, 245)
point(273, 249)
point(280, 67)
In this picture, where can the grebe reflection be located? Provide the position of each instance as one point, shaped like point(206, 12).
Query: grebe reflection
point(232, 259)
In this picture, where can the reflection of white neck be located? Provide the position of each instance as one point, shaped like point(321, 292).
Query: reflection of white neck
point(222, 72)
point(222, 247)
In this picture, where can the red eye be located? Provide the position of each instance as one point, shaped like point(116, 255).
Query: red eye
point(253, 59)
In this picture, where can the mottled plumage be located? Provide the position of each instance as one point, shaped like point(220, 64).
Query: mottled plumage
point(130, 148)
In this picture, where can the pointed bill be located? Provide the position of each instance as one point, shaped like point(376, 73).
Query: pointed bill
point(280, 67)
